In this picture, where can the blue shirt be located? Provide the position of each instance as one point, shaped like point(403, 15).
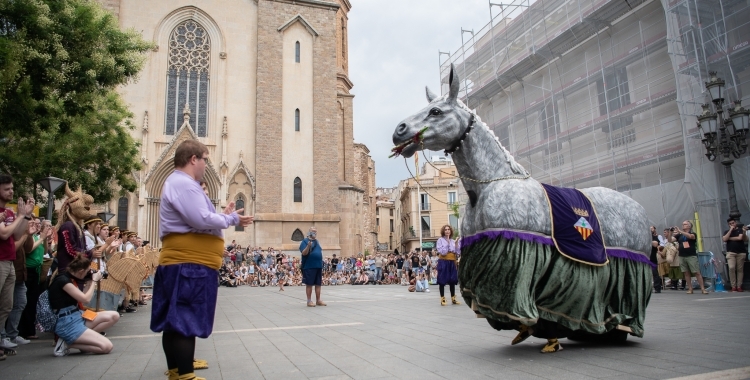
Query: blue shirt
point(314, 259)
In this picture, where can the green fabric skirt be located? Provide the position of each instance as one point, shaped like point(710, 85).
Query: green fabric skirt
point(515, 282)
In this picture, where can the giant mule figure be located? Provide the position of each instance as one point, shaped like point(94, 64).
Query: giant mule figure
point(511, 270)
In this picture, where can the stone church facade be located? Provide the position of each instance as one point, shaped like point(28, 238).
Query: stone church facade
point(264, 84)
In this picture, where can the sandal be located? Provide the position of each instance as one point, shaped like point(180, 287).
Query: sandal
point(704, 291)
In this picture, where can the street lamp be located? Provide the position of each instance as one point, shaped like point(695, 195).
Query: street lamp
point(730, 138)
point(51, 184)
point(105, 216)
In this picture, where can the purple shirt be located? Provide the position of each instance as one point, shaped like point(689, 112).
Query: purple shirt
point(186, 208)
point(445, 245)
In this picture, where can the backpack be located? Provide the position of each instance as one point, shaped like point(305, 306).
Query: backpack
point(46, 318)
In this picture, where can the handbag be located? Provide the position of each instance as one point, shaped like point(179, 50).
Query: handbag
point(46, 318)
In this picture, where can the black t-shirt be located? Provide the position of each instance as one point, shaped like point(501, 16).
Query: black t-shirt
point(278, 258)
point(654, 249)
point(414, 261)
point(399, 263)
point(734, 245)
point(335, 261)
point(59, 298)
point(686, 249)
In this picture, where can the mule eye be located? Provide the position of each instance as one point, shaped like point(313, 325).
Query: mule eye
point(436, 111)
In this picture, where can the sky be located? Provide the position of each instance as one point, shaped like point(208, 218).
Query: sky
point(393, 55)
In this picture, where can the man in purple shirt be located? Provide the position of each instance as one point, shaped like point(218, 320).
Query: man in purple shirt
point(185, 284)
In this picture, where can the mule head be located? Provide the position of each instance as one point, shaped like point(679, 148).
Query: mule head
point(444, 119)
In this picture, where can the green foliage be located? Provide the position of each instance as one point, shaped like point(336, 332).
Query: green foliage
point(367, 252)
point(60, 63)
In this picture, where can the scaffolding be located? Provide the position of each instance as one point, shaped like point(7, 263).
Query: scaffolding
point(591, 93)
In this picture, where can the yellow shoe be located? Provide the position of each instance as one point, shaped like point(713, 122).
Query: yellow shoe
point(190, 376)
point(453, 301)
point(552, 346)
point(523, 333)
point(200, 364)
point(172, 374)
point(442, 301)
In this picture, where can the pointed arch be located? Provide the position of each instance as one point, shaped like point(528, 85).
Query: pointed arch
point(297, 235)
point(297, 190)
point(239, 204)
point(242, 168)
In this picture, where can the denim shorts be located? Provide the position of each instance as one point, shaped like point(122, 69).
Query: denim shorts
point(70, 327)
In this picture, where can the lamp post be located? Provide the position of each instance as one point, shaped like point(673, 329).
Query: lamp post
point(730, 139)
point(105, 216)
point(51, 184)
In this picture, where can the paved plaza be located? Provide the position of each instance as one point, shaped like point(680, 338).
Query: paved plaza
point(371, 332)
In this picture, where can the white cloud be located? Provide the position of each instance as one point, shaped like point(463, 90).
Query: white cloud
point(393, 54)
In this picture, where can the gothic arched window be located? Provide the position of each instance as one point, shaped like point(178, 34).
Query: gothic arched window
point(297, 235)
point(239, 204)
point(122, 213)
point(187, 77)
point(296, 52)
point(297, 190)
point(296, 120)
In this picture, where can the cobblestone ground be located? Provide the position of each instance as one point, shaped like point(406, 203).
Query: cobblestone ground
point(370, 332)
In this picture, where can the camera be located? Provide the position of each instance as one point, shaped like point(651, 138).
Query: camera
point(91, 272)
point(312, 234)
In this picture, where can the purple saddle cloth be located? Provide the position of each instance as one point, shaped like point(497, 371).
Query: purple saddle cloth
point(575, 227)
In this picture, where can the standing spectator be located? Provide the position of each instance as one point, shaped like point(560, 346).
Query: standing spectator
point(23, 246)
point(378, 269)
point(654, 250)
point(399, 265)
point(238, 256)
point(312, 266)
point(34, 262)
point(674, 274)
point(735, 237)
point(335, 263)
point(11, 228)
point(685, 239)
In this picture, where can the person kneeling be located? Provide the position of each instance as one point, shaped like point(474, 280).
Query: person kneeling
point(72, 329)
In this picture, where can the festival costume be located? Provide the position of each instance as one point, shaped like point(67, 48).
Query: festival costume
point(70, 237)
point(185, 291)
point(550, 277)
point(447, 267)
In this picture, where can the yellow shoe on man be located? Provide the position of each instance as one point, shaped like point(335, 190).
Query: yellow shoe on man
point(453, 301)
point(172, 374)
point(442, 301)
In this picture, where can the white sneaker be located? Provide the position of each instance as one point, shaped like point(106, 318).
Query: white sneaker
point(61, 349)
point(20, 340)
point(6, 343)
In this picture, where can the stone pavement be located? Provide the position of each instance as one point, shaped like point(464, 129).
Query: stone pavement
point(370, 332)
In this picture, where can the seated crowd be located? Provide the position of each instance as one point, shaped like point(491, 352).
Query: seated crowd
point(257, 267)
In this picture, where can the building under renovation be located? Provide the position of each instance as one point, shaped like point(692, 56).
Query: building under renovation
point(606, 92)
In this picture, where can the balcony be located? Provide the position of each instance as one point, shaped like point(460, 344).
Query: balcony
point(424, 207)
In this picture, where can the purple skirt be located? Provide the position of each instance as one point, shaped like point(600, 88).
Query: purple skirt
point(447, 272)
point(184, 299)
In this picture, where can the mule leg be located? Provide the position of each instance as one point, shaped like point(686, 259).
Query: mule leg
point(553, 345)
point(524, 332)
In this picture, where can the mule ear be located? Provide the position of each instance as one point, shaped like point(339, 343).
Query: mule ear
point(430, 95)
point(453, 84)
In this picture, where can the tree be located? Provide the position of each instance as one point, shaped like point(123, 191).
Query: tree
point(60, 64)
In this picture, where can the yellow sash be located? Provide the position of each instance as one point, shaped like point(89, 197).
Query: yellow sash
point(192, 248)
point(449, 256)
